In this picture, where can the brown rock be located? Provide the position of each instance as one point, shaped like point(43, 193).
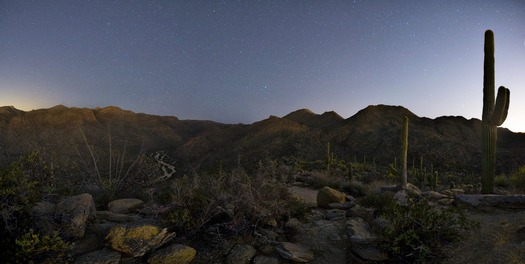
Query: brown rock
point(137, 241)
point(125, 206)
point(173, 254)
point(327, 195)
point(294, 252)
point(76, 212)
point(241, 254)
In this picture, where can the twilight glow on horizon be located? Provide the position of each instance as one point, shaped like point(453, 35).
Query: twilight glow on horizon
point(241, 61)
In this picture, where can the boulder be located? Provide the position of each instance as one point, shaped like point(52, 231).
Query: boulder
point(335, 214)
point(103, 256)
point(125, 206)
point(364, 241)
point(295, 252)
point(116, 217)
point(516, 201)
point(412, 190)
point(342, 206)
point(265, 260)
point(327, 195)
point(76, 212)
point(42, 214)
point(137, 241)
point(241, 254)
point(359, 231)
point(173, 254)
point(401, 197)
point(369, 253)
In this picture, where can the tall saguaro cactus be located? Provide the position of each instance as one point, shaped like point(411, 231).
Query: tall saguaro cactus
point(404, 153)
point(493, 115)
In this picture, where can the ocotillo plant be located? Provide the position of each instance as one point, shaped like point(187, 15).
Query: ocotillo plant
point(404, 152)
point(493, 115)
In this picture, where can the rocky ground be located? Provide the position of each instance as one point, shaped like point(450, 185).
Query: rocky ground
point(338, 230)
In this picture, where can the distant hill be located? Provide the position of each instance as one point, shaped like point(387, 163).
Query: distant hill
point(449, 143)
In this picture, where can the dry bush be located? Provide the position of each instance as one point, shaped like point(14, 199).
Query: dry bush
point(320, 179)
point(239, 200)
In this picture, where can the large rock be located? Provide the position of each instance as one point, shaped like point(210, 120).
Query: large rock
point(125, 206)
point(327, 195)
point(137, 241)
point(173, 254)
point(364, 241)
point(265, 260)
point(295, 252)
point(76, 212)
point(43, 214)
point(241, 254)
point(103, 256)
point(359, 231)
point(491, 200)
point(116, 217)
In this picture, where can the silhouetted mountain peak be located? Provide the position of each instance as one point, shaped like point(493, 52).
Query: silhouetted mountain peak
point(10, 111)
point(332, 116)
point(381, 112)
point(301, 116)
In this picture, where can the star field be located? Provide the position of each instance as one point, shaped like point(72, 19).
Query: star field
point(241, 61)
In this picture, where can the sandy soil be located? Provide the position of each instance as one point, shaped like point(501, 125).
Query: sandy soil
point(500, 238)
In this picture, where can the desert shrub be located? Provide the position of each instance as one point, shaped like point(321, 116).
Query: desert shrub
point(320, 179)
point(518, 179)
point(238, 199)
point(418, 232)
point(275, 170)
point(354, 188)
point(378, 201)
point(21, 186)
point(34, 247)
point(501, 181)
point(117, 169)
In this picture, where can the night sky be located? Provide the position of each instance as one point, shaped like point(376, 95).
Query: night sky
point(241, 61)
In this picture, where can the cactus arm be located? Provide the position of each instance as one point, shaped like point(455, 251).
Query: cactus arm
point(501, 109)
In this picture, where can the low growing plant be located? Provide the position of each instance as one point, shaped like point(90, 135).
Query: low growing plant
point(21, 186)
point(34, 247)
point(518, 179)
point(242, 201)
point(417, 232)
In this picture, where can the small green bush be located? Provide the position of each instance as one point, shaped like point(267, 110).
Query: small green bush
point(20, 188)
point(38, 248)
point(418, 232)
point(22, 184)
point(355, 189)
point(501, 181)
point(518, 179)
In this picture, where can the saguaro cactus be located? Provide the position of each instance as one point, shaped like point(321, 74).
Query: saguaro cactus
point(404, 152)
point(493, 115)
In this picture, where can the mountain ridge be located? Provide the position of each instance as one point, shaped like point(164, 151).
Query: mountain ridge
point(448, 142)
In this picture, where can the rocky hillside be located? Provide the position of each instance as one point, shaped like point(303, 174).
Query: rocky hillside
point(62, 133)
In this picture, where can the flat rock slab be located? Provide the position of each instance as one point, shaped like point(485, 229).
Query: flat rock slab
point(295, 252)
point(492, 200)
